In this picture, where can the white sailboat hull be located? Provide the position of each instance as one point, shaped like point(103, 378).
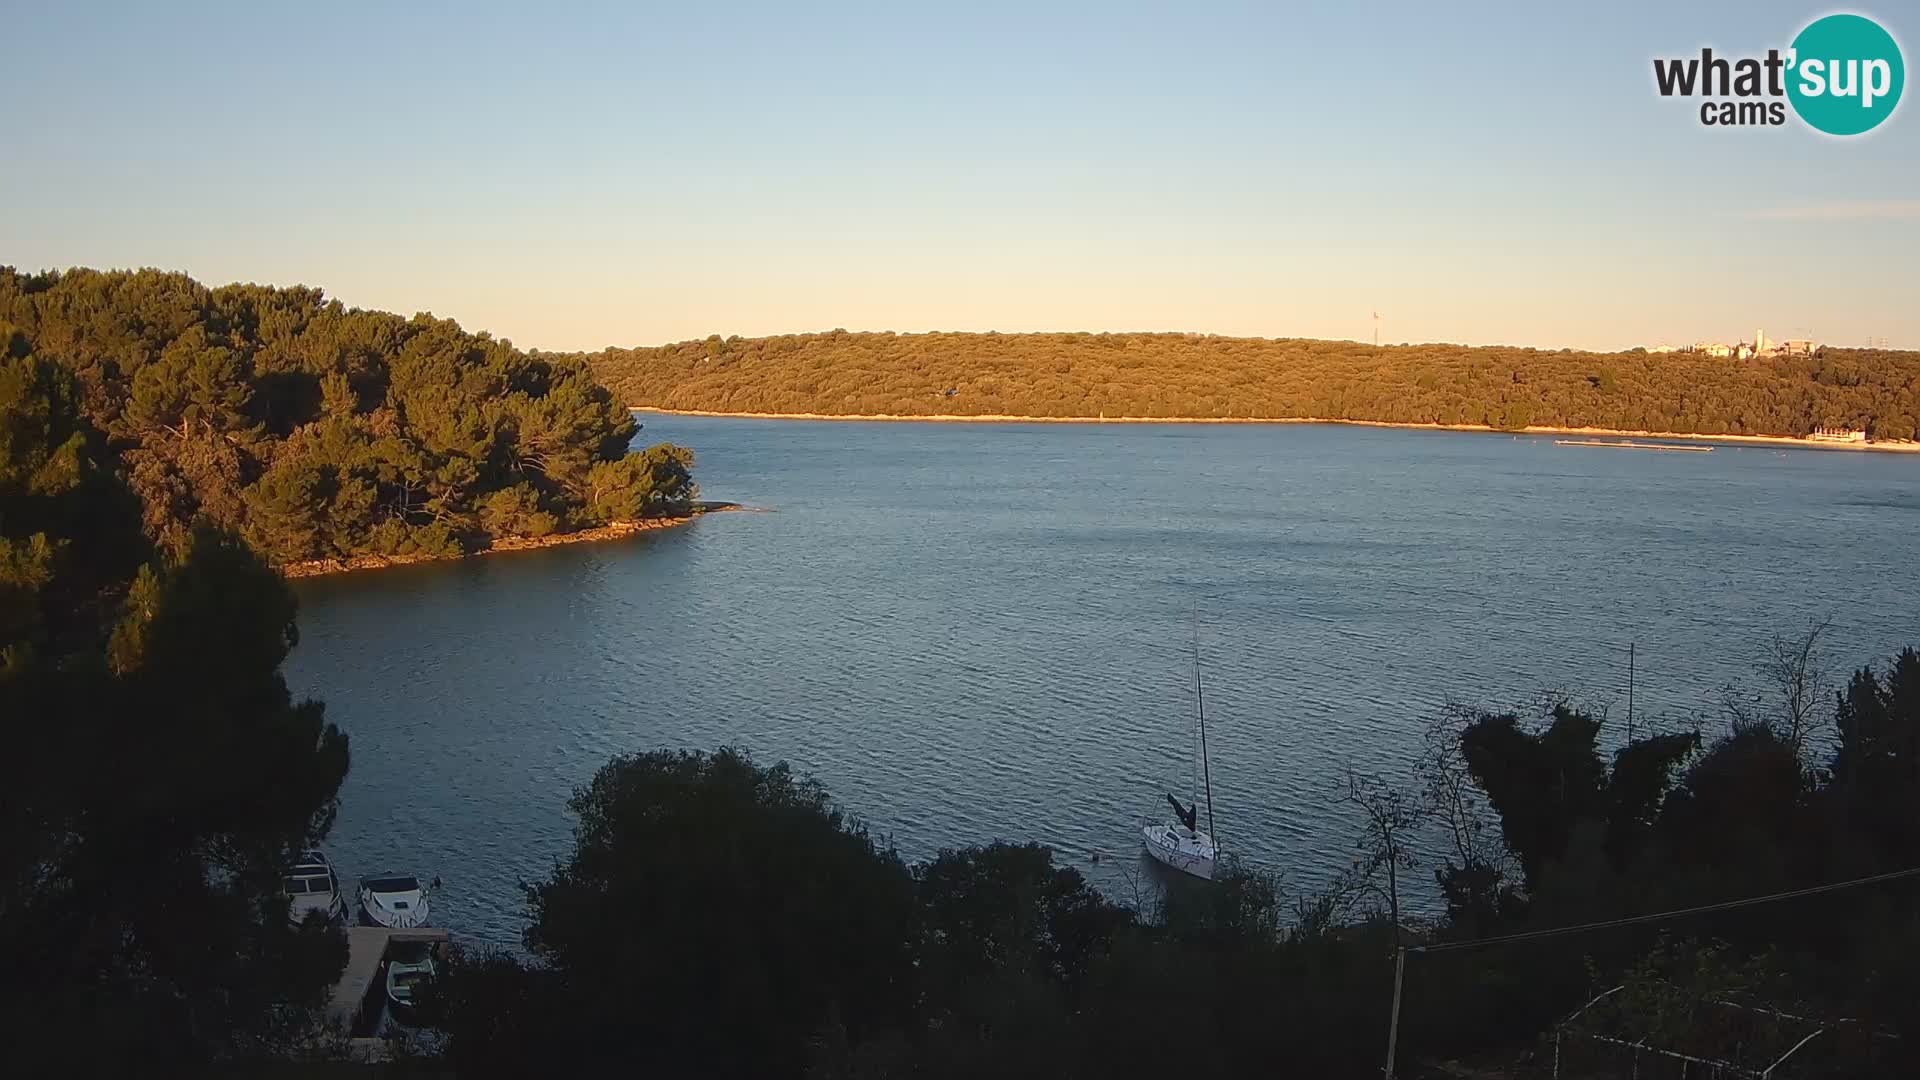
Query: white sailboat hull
point(1190, 853)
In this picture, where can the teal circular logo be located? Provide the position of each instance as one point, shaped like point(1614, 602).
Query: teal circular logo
point(1846, 74)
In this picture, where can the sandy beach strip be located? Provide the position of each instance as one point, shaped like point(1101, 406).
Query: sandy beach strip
point(1483, 429)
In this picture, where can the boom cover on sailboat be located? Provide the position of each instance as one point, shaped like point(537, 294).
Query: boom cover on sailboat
point(1189, 815)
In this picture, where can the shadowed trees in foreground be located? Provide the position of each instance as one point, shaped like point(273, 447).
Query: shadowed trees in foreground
point(721, 918)
point(158, 776)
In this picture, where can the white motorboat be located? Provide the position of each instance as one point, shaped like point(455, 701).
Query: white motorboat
point(395, 901)
point(313, 886)
point(1183, 846)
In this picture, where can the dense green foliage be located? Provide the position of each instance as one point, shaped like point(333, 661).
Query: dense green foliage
point(158, 776)
point(319, 431)
point(708, 867)
point(717, 918)
point(1162, 375)
point(1670, 821)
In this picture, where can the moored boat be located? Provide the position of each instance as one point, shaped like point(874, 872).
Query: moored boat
point(407, 968)
point(395, 901)
point(1189, 851)
point(1184, 847)
point(313, 886)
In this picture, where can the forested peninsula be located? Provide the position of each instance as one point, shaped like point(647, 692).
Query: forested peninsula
point(1150, 376)
point(329, 436)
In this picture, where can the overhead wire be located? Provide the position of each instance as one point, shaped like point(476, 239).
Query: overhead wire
point(1663, 916)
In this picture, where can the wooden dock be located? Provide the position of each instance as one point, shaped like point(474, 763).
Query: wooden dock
point(1626, 444)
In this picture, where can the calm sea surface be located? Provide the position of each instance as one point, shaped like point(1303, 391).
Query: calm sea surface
point(980, 631)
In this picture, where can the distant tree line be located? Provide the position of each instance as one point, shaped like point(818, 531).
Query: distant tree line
point(720, 918)
point(1164, 375)
point(319, 431)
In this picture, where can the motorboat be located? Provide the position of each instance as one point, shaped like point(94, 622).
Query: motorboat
point(407, 968)
point(313, 886)
point(395, 901)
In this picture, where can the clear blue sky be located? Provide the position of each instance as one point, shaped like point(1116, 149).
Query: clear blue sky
point(571, 176)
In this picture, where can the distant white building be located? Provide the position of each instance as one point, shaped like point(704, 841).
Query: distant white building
point(1839, 435)
point(1761, 345)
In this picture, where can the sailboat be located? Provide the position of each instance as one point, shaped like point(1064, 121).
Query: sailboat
point(1183, 846)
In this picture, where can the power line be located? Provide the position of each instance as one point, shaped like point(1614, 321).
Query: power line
point(1678, 913)
point(1400, 958)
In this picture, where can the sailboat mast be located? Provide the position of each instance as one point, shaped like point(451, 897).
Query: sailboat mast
point(1200, 705)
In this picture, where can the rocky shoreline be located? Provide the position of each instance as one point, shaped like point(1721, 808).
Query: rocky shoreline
point(615, 531)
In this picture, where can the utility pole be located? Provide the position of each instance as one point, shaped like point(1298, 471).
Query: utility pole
point(1393, 1026)
point(1376, 329)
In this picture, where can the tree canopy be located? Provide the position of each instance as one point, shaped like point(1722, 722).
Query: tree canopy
point(158, 778)
point(320, 431)
point(719, 913)
point(1194, 375)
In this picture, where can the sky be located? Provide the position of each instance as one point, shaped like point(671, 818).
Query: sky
point(572, 176)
